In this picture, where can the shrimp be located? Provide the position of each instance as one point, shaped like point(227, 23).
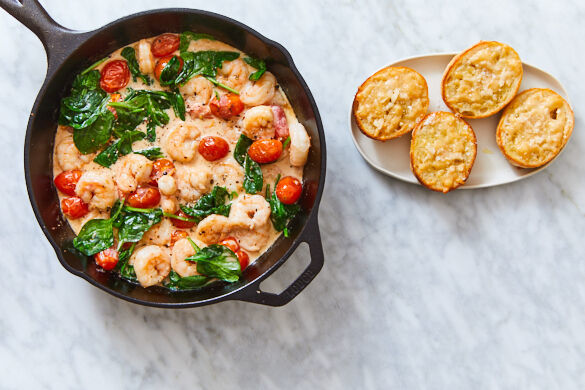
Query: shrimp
point(250, 212)
point(132, 170)
point(233, 73)
point(192, 183)
point(229, 175)
point(213, 229)
point(68, 156)
point(144, 57)
point(200, 87)
point(169, 204)
point(180, 143)
point(258, 123)
point(167, 185)
point(252, 240)
point(181, 250)
point(259, 92)
point(97, 189)
point(300, 142)
point(159, 234)
point(152, 264)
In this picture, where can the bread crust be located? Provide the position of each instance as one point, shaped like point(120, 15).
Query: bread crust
point(551, 137)
point(455, 177)
point(406, 125)
point(458, 60)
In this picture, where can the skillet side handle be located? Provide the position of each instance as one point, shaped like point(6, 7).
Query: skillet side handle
point(55, 38)
point(312, 237)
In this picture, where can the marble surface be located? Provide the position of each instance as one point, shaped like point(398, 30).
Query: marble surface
point(480, 289)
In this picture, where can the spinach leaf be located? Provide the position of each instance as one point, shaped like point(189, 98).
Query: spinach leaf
point(217, 261)
point(109, 155)
point(204, 63)
point(258, 64)
point(241, 149)
point(280, 214)
point(134, 222)
point(86, 102)
point(119, 147)
point(253, 179)
point(170, 72)
point(95, 236)
point(96, 135)
point(186, 283)
point(130, 55)
point(188, 36)
point(211, 203)
point(153, 153)
point(126, 270)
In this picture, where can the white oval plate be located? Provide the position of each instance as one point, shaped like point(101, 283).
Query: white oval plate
point(490, 168)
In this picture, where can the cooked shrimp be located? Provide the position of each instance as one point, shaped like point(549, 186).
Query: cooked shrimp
point(152, 264)
point(132, 170)
point(180, 142)
point(68, 156)
point(97, 189)
point(169, 204)
point(200, 87)
point(181, 250)
point(213, 229)
point(300, 142)
point(259, 92)
point(159, 234)
point(258, 123)
point(144, 57)
point(233, 73)
point(229, 175)
point(249, 211)
point(252, 240)
point(167, 185)
point(192, 183)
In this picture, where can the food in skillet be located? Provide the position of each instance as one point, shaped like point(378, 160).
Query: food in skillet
point(178, 161)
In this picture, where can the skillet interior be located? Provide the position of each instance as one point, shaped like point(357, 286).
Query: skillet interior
point(89, 47)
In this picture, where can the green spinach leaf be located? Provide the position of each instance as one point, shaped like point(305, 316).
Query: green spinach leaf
point(280, 214)
point(119, 147)
point(153, 153)
point(134, 222)
point(217, 261)
point(241, 149)
point(260, 65)
point(186, 283)
point(95, 236)
point(170, 72)
point(253, 179)
point(92, 138)
point(130, 55)
point(188, 36)
point(211, 203)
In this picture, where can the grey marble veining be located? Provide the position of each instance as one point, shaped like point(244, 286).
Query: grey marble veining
point(481, 289)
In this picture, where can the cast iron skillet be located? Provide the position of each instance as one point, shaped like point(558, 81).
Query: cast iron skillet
point(68, 52)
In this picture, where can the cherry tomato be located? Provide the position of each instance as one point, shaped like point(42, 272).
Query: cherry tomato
point(265, 151)
point(67, 180)
point(143, 198)
point(213, 148)
point(74, 207)
point(177, 235)
point(107, 259)
point(115, 76)
point(182, 224)
point(231, 243)
point(243, 258)
point(160, 168)
point(160, 65)
point(165, 44)
point(289, 190)
point(227, 106)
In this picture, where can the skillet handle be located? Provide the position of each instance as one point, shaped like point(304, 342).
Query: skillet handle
point(55, 38)
point(313, 238)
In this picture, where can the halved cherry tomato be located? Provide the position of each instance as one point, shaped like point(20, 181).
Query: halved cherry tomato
point(231, 243)
point(177, 235)
point(160, 65)
point(182, 224)
point(165, 44)
point(243, 258)
point(213, 148)
point(289, 190)
point(160, 168)
point(115, 76)
point(74, 207)
point(67, 180)
point(143, 198)
point(107, 259)
point(265, 151)
point(227, 106)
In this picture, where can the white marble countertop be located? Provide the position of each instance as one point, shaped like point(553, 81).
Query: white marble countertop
point(481, 289)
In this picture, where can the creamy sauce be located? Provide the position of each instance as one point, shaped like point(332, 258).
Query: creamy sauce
point(224, 172)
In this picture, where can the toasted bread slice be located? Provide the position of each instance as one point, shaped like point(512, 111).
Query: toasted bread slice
point(390, 102)
point(442, 151)
point(534, 127)
point(480, 81)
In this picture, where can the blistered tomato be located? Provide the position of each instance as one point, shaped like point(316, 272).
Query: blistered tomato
point(115, 75)
point(74, 207)
point(265, 151)
point(67, 180)
point(289, 190)
point(143, 198)
point(107, 259)
point(213, 148)
point(165, 44)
